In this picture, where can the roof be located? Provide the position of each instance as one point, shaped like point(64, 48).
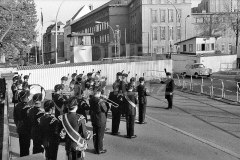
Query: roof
point(214, 36)
point(80, 34)
point(77, 13)
point(58, 24)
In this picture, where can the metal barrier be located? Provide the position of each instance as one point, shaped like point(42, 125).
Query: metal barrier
point(219, 88)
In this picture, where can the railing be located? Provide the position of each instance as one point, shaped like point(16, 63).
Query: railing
point(217, 88)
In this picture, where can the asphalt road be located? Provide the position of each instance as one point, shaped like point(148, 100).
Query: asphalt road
point(213, 121)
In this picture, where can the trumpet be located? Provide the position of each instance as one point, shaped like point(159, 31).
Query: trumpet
point(109, 101)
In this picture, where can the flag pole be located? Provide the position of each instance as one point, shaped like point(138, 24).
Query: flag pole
point(42, 37)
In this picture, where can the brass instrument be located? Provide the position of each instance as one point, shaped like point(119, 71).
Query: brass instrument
point(105, 99)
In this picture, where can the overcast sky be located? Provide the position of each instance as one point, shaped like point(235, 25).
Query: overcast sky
point(68, 9)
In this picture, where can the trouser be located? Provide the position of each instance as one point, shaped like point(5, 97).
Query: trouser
point(37, 146)
point(24, 143)
point(98, 133)
point(170, 100)
point(130, 120)
point(74, 155)
point(51, 148)
point(116, 117)
point(142, 112)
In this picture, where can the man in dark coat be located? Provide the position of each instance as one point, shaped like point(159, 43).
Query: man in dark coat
point(33, 114)
point(123, 91)
point(142, 93)
point(14, 89)
point(77, 123)
point(130, 102)
point(22, 124)
point(49, 131)
point(116, 111)
point(169, 90)
point(98, 110)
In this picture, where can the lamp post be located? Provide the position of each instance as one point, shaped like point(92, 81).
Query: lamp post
point(118, 34)
point(186, 26)
point(56, 46)
point(115, 42)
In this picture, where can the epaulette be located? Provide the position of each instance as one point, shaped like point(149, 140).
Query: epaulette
point(27, 106)
point(53, 120)
point(39, 112)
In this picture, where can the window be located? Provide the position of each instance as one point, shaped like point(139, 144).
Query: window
point(230, 48)
point(203, 47)
point(179, 15)
point(162, 15)
point(154, 16)
point(184, 48)
point(170, 33)
point(198, 47)
point(170, 15)
point(223, 47)
point(155, 50)
point(190, 47)
point(183, 1)
point(154, 34)
point(107, 37)
point(207, 47)
point(178, 33)
point(163, 50)
point(162, 30)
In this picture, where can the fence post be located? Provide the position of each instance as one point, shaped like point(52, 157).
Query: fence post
point(212, 87)
point(223, 95)
point(183, 82)
point(178, 79)
point(237, 91)
point(202, 86)
point(191, 86)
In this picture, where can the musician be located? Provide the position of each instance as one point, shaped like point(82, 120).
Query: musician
point(33, 114)
point(89, 79)
point(22, 124)
point(169, 89)
point(142, 93)
point(98, 117)
point(59, 100)
point(123, 91)
point(48, 124)
point(118, 77)
point(25, 86)
point(116, 111)
point(72, 83)
point(19, 89)
point(105, 93)
point(78, 87)
point(14, 89)
point(74, 122)
point(25, 78)
point(130, 102)
point(64, 80)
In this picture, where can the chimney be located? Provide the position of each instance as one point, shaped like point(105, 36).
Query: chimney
point(91, 7)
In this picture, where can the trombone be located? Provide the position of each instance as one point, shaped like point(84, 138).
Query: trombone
point(109, 101)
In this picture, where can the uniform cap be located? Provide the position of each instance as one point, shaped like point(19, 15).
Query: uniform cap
point(168, 74)
point(133, 79)
point(73, 101)
point(74, 75)
point(80, 75)
point(37, 97)
point(130, 86)
point(125, 75)
point(64, 78)
point(26, 77)
point(119, 73)
point(89, 74)
point(58, 87)
point(78, 79)
point(115, 85)
point(15, 78)
point(141, 79)
point(48, 104)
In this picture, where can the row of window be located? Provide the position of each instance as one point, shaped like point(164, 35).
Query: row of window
point(100, 39)
point(96, 28)
point(165, 1)
point(162, 13)
point(163, 33)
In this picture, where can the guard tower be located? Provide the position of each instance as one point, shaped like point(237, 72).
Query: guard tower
point(80, 47)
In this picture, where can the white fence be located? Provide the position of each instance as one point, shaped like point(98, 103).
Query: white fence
point(49, 77)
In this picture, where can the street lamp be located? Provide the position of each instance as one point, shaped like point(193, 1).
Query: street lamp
point(56, 47)
point(115, 42)
point(186, 26)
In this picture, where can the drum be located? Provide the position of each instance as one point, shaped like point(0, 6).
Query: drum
point(36, 88)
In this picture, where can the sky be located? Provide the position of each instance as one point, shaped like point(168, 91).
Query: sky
point(67, 9)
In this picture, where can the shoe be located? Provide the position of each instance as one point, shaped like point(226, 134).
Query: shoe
point(116, 133)
point(101, 152)
point(126, 136)
point(168, 108)
point(142, 122)
point(134, 136)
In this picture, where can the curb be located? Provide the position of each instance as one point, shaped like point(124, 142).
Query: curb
point(232, 153)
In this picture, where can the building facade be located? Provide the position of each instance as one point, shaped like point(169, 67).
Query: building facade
point(135, 27)
point(49, 41)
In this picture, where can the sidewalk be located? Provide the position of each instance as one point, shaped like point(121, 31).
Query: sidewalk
point(156, 141)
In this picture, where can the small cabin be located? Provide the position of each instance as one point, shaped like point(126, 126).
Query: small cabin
point(197, 45)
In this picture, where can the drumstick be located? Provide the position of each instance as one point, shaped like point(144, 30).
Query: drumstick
point(128, 72)
point(165, 70)
point(122, 71)
point(143, 74)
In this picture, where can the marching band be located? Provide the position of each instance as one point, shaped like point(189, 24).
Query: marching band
point(71, 103)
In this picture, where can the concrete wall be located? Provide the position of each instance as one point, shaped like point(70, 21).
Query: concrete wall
point(49, 77)
point(214, 62)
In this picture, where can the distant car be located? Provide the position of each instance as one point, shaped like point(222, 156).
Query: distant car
point(197, 70)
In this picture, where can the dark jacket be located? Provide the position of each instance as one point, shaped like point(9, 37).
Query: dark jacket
point(77, 122)
point(141, 89)
point(113, 96)
point(98, 110)
point(49, 127)
point(33, 114)
point(20, 118)
point(169, 87)
point(60, 101)
point(122, 87)
point(130, 109)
